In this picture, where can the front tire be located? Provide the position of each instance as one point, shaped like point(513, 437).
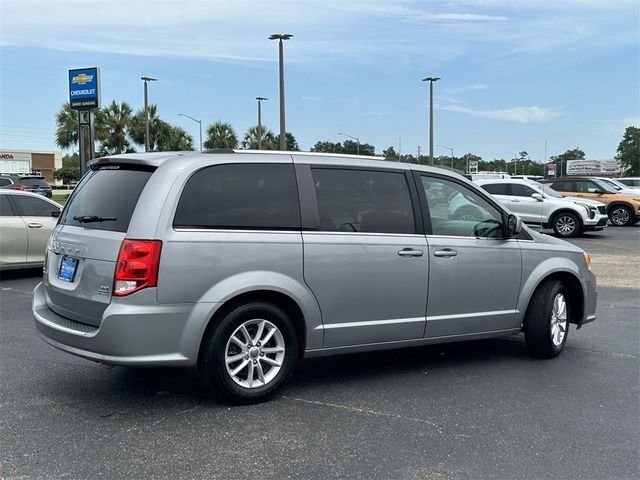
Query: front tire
point(566, 225)
point(250, 354)
point(621, 215)
point(547, 320)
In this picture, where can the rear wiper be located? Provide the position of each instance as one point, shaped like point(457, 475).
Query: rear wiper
point(93, 218)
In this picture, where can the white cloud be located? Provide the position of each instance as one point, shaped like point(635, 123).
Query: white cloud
point(468, 88)
point(533, 114)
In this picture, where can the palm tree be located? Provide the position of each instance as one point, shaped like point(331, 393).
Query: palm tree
point(251, 136)
point(138, 129)
point(173, 138)
point(221, 135)
point(66, 127)
point(112, 127)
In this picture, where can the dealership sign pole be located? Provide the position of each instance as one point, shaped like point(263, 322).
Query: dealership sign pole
point(84, 97)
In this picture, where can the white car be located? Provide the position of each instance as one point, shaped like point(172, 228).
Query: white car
point(26, 222)
point(619, 186)
point(629, 182)
point(540, 205)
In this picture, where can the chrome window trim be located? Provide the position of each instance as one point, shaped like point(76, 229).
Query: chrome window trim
point(232, 230)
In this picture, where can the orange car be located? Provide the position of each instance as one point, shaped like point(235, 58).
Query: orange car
point(622, 209)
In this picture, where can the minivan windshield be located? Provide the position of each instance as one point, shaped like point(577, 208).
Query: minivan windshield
point(106, 197)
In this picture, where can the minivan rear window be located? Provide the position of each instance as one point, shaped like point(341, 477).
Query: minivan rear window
point(106, 197)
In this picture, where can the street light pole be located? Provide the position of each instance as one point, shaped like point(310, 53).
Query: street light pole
point(515, 160)
point(451, 149)
point(146, 111)
point(199, 123)
point(354, 138)
point(260, 99)
point(280, 37)
point(431, 80)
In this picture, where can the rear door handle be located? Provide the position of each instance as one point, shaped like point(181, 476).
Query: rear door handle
point(410, 252)
point(515, 201)
point(34, 225)
point(447, 252)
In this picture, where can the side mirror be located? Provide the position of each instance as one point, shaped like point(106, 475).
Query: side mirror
point(537, 196)
point(598, 191)
point(514, 225)
point(55, 213)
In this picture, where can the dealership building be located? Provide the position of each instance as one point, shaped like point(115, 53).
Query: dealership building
point(31, 161)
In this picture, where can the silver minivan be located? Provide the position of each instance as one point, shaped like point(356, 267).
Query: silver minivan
point(241, 263)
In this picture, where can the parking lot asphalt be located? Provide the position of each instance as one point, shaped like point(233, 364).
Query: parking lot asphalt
point(467, 410)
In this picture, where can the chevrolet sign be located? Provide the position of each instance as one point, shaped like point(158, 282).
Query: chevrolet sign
point(84, 88)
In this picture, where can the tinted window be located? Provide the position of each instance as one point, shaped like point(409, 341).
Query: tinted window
point(5, 206)
point(33, 207)
point(110, 192)
point(455, 210)
point(495, 188)
point(562, 186)
point(4, 182)
point(32, 182)
point(249, 196)
point(519, 190)
point(363, 201)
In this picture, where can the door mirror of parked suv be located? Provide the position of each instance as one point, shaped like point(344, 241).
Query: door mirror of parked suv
point(514, 225)
point(537, 196)
point(598, 191)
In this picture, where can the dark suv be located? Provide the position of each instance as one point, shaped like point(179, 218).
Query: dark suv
point(26, 183)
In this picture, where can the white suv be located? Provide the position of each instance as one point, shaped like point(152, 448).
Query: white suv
point(537, 204)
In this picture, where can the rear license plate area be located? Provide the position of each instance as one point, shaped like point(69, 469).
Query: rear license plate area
point(68, 267)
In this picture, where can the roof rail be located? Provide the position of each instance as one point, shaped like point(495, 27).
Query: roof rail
point(219, 150)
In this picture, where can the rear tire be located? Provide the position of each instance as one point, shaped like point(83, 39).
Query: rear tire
point(250, 354)
point(621, 215)
point(546, 324)
point(566, 225)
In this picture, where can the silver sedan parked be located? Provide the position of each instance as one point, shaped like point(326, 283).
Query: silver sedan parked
point(26, 222)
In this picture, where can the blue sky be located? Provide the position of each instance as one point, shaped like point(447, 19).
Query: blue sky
point(514, 73)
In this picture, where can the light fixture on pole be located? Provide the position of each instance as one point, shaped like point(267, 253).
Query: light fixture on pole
point(281, 37)
point(431, 80)
point(354, 138)
point(451, 149)
point(199, 123)
point(260, 100)
point(146, 111)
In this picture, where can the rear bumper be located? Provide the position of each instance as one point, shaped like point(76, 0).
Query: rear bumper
point(142, 334)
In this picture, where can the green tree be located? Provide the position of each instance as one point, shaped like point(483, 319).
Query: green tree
point(328, 147)
point(350, 147)
point(390, 153)
point(252, 136)
point(112, 127)
point(66, 127)
point(629, 152)
point(174, 139)
point(70, 171)
point(292, 144)
point(137, 129)
point(221, 135)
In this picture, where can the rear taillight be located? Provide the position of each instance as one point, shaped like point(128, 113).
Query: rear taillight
point(137, 266)
point(18, 187)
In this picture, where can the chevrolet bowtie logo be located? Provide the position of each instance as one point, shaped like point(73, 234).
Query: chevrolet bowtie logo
point(82, 79)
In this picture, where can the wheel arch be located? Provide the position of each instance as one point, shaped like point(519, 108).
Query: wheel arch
point(560, 211)
point(618, 203)
point(274, 297)
point(576, 294)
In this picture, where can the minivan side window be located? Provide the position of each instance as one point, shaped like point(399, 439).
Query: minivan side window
point(364, 201)
point(34, 207)
point(456, 210)
point(260, 196)
point(5, 207)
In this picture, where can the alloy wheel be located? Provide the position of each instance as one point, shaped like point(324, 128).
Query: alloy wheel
point(558, 319)
point(565, 225)
point(620, 216)
point(254, 353)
